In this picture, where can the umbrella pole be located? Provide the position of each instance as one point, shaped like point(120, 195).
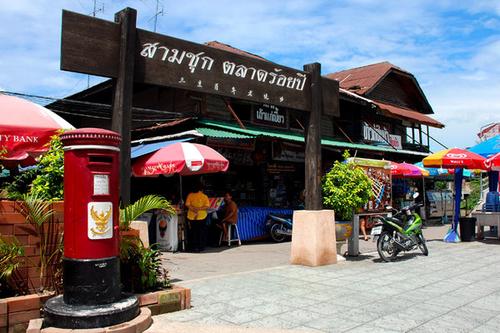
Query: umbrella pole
point(452, 234)
point(181, 206)
point(423, 190)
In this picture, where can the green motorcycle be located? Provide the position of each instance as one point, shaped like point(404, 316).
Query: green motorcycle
point(400, 232)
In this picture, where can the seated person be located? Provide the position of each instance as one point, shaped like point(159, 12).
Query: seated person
point(365, 223)
point(230, 215)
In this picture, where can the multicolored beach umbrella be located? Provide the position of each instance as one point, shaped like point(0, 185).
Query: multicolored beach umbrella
point(458, 159)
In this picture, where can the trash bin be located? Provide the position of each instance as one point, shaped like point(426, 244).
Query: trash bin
point(467, 228)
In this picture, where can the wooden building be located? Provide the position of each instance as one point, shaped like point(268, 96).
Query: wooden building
point(383, 114)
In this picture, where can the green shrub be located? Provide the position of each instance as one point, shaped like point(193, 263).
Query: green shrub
point(49, 182)
point(346, 188)
point(141, 268)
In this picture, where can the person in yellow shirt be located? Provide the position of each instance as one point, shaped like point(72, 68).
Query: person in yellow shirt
point(197, 204)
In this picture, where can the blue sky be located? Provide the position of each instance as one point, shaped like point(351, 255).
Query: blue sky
point(452, 47)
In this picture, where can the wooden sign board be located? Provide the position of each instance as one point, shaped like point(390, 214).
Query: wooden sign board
point(91, 46)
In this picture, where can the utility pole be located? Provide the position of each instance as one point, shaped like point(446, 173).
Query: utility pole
point(94, 12)
point(157, 13)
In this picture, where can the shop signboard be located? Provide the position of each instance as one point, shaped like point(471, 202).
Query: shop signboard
point(275, 168)
point(379, 133)
point(239, 144)
point(287, 152)
point(92, 46)
point(270, 115)
point(379, 173)
point(395, 141)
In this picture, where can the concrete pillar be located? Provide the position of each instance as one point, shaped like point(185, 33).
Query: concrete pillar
point(313, 238)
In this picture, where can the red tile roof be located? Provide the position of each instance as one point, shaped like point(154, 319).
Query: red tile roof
point(406, 114)
point(357, 81)
point(226, 47)
point(362, 79)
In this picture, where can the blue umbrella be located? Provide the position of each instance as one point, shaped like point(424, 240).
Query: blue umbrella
point(487, 148)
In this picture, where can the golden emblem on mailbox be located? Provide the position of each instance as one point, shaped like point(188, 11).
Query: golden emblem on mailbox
point(101, 221)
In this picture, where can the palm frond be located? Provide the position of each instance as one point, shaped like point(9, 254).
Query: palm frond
point(35, 209)
point(141, 206)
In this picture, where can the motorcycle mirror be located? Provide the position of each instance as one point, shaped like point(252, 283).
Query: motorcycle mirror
point(415, 195)
point(388, 208)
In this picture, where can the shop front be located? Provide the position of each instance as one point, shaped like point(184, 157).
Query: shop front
point(237, 103)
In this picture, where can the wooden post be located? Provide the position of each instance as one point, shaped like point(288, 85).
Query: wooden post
point(313, 142)
point(420, 134)
point(122, 99)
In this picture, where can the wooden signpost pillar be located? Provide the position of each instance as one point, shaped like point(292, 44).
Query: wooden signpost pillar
point(313, 142)
point(122, 99)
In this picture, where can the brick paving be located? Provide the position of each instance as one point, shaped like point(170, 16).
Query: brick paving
point(455, 289)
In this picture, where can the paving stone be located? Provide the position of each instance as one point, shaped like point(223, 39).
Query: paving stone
point(217, 308)
point(299, 316)
point(490, 302)
point(396, 322)
point(241, 316)
point(335, 323)
point(271, 308)
point(370, 329)
point(271, 322)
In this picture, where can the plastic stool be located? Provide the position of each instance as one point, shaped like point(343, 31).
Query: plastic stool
point(229, 235)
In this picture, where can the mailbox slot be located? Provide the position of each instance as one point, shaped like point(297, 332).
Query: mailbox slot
point(98, 159)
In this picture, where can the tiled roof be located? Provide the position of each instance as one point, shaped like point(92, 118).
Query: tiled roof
point(226, 47)
point(362, 79)
point(406, 114)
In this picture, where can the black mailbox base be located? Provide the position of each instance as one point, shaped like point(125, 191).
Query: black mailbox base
point(91, 281)
point(62, 315)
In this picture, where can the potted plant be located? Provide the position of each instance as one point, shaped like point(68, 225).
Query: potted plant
point(346, 188)
point(141, 206)
point(141, 268)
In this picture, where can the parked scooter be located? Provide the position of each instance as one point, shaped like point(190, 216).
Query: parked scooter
point(279, 226)
point(401, 232)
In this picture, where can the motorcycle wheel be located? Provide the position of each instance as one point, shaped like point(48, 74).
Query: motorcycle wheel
point(422, 245)
point(385, 249)
point(275, 235)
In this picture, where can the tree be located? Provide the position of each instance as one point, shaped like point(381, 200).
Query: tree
point(346, 188)
point(49, 182)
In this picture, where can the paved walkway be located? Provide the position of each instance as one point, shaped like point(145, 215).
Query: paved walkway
point(455, 289)
point(183, 266)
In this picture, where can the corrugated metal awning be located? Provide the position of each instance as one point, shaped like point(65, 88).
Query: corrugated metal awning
point(216, 133)
point(147, 148)
point(300, 138)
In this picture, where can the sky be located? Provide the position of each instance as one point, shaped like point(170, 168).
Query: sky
point(451, 47)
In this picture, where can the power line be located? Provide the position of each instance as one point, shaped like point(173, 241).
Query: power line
point(95, 110)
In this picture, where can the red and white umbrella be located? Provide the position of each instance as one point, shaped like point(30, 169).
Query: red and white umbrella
point(26, 128)
point(493, 163)
point(182, 158)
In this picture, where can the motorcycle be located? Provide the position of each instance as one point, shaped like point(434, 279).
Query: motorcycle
point(400, 232)
point(279, 226)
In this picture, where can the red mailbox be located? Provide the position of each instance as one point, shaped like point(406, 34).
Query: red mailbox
point(91, 264)
point(91, 202)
